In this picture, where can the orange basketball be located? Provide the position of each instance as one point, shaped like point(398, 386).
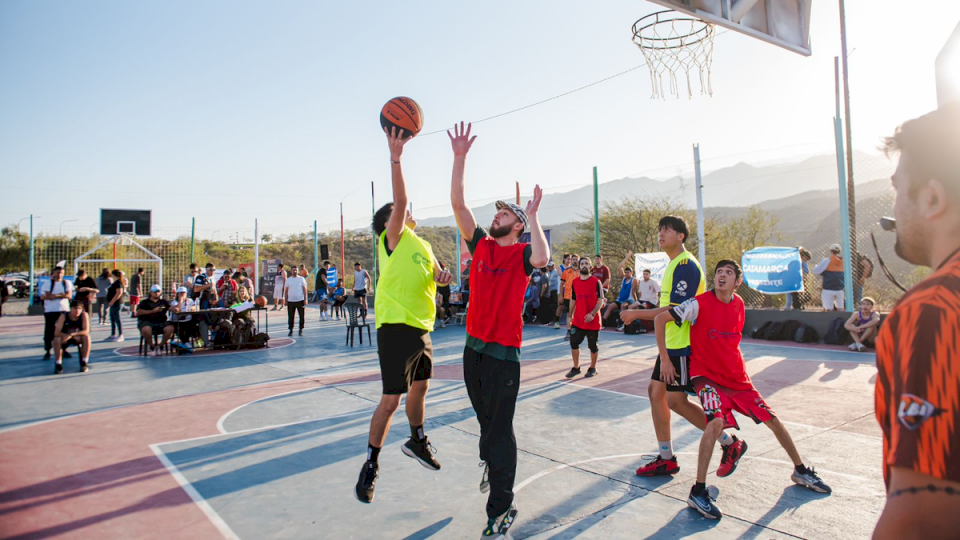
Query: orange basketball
point(403, 113)
point(261, 301)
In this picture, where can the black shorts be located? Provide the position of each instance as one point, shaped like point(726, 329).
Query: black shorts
point(359, 293)
point(155, 328)
point(682, 365)
point(577, 335)
point(406, 355)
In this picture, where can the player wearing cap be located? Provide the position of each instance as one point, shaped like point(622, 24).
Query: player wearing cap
point(830, 269)
point(719, 376)
point(491, 358)
point(152, 318)
point(406, 313)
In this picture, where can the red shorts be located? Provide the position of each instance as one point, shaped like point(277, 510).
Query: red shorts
point(134, 299)
point(720, 402)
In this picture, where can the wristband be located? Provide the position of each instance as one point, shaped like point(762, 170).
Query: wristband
point(395, 162)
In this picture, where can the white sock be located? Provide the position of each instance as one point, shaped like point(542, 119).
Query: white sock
point(666, 449)
point(725, 440)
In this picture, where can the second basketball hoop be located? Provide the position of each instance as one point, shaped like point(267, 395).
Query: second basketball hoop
point(673, 43)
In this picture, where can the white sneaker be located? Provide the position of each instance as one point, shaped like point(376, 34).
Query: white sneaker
point(119, 339)
point(110, 338)
point(852, 347)
point(861, 347)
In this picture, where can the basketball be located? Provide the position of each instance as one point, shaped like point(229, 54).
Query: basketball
point(402, 113)
point(261, 301)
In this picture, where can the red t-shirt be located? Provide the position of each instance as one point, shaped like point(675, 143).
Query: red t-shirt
point(586, 292)
point(602, 273)
point(715, 335)
point(498, 281)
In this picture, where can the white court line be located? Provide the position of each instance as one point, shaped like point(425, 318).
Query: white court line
point(198, 499)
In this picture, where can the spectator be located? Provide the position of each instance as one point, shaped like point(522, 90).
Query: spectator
point(339, 299)
point(295, 296)
point(566, 278)
point(86, 288)
point(831, 270)
point(443, 300)
point(531, 298)
point(3, 295)
point(465, 283)
point(628, 290)
point(190, 278)
point(863, 325)
point(552, 288)
point(180, 307)
point(279, 284)
point(227, 289)
point(152, 319)
point(114, 303)
point(303, 272)
point(203, 287)
point(324, 303)
point(601, 272)
point(245, 281)
point(103, 283)
point(564, 263)
point(796, 300)
point(361, 284)
point(72, 328)
point(648, 291)
point(320, 284)
point(56, 295)
point(136, 291)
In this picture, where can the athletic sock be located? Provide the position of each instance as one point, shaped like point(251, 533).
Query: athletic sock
point(801, 469)
point(373, 453)
point(725, 439)
point(698, 488)
point(416, 432)
point(666, 449)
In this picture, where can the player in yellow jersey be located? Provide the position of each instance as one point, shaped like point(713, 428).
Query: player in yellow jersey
point(405, 313)
point(683, 279)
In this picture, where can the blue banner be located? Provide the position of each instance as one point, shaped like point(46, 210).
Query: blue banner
point(773, 270)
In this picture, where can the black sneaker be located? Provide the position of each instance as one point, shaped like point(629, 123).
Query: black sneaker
point(58, 369)
point(301, 331)
point(421, 451)
point(499, 527)
point(290, 333)
point(591, 372)
point(704, 503)
point(485, 479)
point(46, 355)
point(367, 481)
point(84, 367)
point(66, 354)
point(573, 372)
point(810, 480)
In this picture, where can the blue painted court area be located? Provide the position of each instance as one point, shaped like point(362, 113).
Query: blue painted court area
point(269, 443)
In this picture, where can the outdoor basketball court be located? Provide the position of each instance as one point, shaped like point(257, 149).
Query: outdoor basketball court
point(269, 443)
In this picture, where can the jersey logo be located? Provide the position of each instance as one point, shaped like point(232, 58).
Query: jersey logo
point(681, 289)
point(915, 410)
point(420, 260)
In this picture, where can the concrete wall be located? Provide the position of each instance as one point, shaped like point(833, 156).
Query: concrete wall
point(818, 319)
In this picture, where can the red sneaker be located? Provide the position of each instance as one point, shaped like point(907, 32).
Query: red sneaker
point(731, 456)
point(659, 467)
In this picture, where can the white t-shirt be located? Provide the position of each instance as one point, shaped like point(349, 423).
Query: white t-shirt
point(60, 304)
point(295, 287)
point(649, 291)
point(359, 280)
point(187, 306)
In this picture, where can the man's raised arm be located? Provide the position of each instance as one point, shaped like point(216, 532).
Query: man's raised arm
point(461, 142)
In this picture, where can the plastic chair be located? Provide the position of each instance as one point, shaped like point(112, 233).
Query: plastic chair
point(461, 318)
point(353, 322)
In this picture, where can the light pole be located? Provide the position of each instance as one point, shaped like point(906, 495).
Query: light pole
point(67, 221)
point(92, 226)
point(216, 233)
point(21, 221)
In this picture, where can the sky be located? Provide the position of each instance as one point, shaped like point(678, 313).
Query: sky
point(230, 111)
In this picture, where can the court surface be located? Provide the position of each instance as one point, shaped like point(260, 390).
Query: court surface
point(269, 443)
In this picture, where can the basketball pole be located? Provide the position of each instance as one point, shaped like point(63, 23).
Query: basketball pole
point(31, 261)
point(851, 190)
point(373, 239)
point(596, 214)
point(844, 200)
point(342, 263)
point(316, 259)
point(701, 237)
point(256, 255)
point(193, 228)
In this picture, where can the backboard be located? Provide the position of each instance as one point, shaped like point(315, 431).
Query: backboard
point(948, 70)
point(124, 221)
point(785, 23)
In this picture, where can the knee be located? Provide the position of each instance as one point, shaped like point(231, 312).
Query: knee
point(56, 340)
point(676, 400)
point(714, 427)
point(389, 403)
point(656, 390)
point(146, 332)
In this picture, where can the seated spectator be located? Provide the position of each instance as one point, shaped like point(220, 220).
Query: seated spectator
point(339, 296)
point(180, 307)
point(243, 319)
point(863, 325)
point(531, 298)
point(244, 281)
point(227, 288)
point(628, 290)
point(152, 318)
point(73, 328)
point(648, 291)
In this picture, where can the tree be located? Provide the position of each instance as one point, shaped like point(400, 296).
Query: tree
point(14, 250)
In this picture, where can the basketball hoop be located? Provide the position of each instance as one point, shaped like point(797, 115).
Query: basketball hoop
point(672, 42)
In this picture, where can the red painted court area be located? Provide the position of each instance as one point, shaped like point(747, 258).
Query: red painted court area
point(92, 469)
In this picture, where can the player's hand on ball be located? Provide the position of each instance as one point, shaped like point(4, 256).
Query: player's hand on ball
point(395, 141)
point(444, 278)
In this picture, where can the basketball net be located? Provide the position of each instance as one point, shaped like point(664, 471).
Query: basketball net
point(672, 42)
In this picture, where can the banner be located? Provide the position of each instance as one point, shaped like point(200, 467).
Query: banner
point(773, 270)
point(655, 262)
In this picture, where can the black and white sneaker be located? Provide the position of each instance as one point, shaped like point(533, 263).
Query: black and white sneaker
point(57, 369)
point(591, 372)
point(367, 481)
point(573, 373)
point(84, 366)
point(810, 480)
point(499, 527)
point(485, 479)
point(421, 451)
point(705, 503)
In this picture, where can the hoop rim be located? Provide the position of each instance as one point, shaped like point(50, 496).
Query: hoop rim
point(639, 39)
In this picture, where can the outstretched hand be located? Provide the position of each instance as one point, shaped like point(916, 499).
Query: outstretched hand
point(533, 205)
point(461, 139)
point(395, 141)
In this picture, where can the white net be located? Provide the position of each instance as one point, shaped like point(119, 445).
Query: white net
point(672, 43)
